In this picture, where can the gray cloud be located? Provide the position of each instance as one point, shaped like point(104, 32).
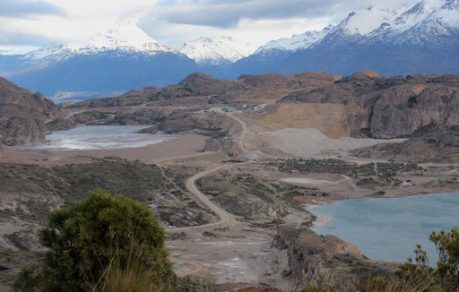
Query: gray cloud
point(225, 13)
point(24, 8)
point(22, 38)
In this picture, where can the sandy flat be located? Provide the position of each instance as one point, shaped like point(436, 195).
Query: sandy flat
point(311, 142)
point(188, 144)
point(306, 181)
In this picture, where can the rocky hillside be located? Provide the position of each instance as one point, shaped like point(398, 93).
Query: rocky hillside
point(251, 89)
point(324, 260)
point(23, 114)
point(29, 192)
point(389, 107)
point(430, 143)
point(173, 108)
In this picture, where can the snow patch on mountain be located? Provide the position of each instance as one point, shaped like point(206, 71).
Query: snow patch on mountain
point(216, 51)
point(123, 36)
point(48, 53)
point(296, 42)
point(366, 21)
point(426, 16)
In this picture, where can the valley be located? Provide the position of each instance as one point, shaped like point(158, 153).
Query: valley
point(246, 158)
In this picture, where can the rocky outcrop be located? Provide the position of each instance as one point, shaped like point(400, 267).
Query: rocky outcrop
point(130, 98)
point(297, 81)
point(207, 122)
point(324, 261)
point(404, 109)
point(226, 145)
point(23, 115)
point(200, 84)
point(185, 106)
point(428, 144)
point(390, 107)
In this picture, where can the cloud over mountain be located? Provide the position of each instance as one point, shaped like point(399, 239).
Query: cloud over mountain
point(21, 8)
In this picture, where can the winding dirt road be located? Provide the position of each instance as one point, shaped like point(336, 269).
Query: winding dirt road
point(225, 219)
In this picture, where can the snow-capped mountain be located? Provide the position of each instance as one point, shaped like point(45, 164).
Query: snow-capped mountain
point(117, 59)
point(434, 16)
point(366, 21)
point(427, 21)
point(296, 42)
point(407, 38)
point(216, 51)
point(123, 36)
point(413, 37)
point(51, 52)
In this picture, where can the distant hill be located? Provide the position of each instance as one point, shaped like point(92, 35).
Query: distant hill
point(22, 114)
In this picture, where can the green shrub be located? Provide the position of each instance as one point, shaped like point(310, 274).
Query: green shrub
point(133, 276)
point(30, 279)
point(447, 244)
point(85, 239)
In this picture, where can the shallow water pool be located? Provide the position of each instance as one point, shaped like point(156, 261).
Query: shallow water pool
point(99, 138)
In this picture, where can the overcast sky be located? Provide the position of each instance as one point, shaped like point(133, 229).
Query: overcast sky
point(36, 22)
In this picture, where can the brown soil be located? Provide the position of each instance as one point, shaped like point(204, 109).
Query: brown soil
point(330, 119)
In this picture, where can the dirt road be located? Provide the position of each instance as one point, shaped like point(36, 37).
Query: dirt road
point(225, 218)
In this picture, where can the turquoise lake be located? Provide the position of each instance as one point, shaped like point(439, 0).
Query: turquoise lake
point(388, 229)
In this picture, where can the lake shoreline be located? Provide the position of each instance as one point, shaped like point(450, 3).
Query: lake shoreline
point(322, 224)
point(188, 144)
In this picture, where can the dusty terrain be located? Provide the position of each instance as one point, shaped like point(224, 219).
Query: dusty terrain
point(187, 145)
point(231, 190)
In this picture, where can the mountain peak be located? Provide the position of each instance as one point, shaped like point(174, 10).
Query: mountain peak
point(216, 51)
point(125, 36)
point(366, 21)
point(430, 17)
point(296, 42)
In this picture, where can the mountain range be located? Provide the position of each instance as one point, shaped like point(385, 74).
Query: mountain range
point(408, 38)
point(216, 51)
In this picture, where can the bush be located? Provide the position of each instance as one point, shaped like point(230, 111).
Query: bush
point(90, 240)
point(30, 279)
point(447, 244)
point(415, 274)
point(133, 276)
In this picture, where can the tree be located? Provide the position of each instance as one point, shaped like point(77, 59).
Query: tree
point(447, 244)
point(445, 277)
point(86, 238)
